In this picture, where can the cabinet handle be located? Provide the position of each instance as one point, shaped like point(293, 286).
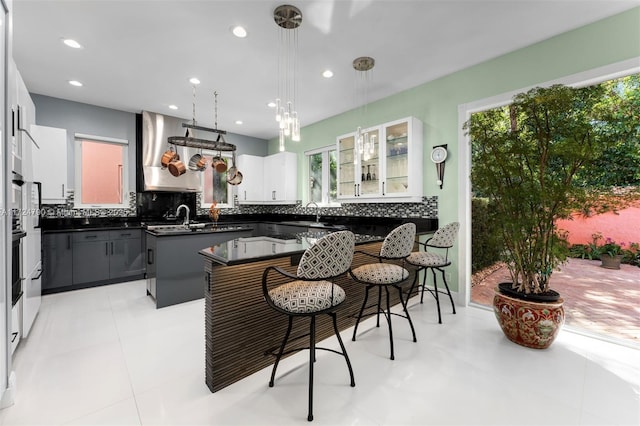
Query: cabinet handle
point(150, 258)
point(14, 335)
point(245, 195)
point(68, 242)
point(382, 188)
point(128, 234)
point(355, 190)
point(63, 190)
point(358, 190)
point(13, 122)
point(88, 237)
point(111, 248)
point(273, 195)
point(38, 277)
point(106, 246)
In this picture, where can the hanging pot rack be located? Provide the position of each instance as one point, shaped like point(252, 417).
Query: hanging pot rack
point(218, 145)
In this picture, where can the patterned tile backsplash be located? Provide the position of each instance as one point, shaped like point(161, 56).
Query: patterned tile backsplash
point(427, 209)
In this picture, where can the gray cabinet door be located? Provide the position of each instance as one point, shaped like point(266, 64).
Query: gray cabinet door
point(125, 251)
point(91, 252)
point(57, 260)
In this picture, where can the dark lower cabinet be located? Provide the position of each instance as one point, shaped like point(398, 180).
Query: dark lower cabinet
point(84, 258)
point(125, 255)
point(57, 260)
point(90, 257)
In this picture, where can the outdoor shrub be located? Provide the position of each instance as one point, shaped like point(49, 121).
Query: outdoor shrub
point(485, 245)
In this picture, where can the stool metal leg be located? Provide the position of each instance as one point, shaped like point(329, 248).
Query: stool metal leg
point(435, 293)
point(388, 315)
point(284, 343)
point(444, 279)
point(366, 297)
point(379, 300)
point(344, 350)
point(424, 284)
point(312, 359)
point(404, 306)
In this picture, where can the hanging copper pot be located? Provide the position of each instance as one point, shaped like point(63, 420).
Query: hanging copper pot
point(177, 168)
point(168, 156)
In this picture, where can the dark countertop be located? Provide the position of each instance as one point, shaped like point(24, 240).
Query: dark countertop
point(252, 249)
point(357, 224)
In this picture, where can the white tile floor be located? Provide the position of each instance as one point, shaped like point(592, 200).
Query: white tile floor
point(106, 356)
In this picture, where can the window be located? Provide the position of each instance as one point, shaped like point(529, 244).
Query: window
point(101, 171)
point(323, 175)
point(214, 184)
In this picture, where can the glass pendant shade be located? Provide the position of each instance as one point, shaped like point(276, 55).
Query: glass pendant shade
point(288, 18)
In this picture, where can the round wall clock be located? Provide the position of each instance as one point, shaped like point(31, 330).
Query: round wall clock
point(438, 155)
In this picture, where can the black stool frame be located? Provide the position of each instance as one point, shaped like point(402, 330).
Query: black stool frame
point(387, 313)
point(312, 332)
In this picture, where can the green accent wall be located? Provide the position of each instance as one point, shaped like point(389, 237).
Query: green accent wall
point(435, 103)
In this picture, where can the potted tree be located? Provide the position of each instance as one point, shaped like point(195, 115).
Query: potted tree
point(525, 158)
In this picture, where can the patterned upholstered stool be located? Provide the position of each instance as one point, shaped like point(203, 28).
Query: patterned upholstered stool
point(397, 245)
point(442, 239)
point(312, 293)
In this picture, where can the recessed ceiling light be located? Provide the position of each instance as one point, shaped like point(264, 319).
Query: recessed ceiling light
point(75, 83)
point(71, 43)
point(173, 107)
point(194, 80)
point(327, 73)
point(239, 31)
point(271, 104)
point(238, 121)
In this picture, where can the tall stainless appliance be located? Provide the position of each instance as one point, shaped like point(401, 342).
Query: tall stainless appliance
point(32, 242)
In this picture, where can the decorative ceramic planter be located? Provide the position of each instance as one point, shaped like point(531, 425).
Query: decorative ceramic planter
point(531, 324)
point(611, 262)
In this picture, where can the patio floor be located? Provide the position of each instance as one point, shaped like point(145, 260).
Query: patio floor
point(597, 300)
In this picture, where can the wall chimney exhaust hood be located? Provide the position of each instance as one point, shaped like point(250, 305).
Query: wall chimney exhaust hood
point(156, 131)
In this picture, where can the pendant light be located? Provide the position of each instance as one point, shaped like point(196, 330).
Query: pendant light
point(365, 143)
point(288, 18)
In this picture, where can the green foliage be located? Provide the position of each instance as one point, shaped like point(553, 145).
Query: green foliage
point(619, 164)
point(485, 244)
point(525, 160)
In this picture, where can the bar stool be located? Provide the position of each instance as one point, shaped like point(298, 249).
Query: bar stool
point(397, 245)
point(442, 239)
point(312, 294)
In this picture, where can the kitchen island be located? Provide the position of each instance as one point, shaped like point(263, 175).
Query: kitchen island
point(174, 269)
point(241, 331)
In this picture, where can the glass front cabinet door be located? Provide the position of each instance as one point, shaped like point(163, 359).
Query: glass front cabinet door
point(347, 186)
point(383, 164)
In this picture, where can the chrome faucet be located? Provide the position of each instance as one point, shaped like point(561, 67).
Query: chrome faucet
point(317, 209)
point(186, 216)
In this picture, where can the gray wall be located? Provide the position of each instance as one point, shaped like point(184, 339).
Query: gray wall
point(77, 117)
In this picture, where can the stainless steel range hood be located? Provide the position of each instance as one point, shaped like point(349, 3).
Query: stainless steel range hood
point(156, 128)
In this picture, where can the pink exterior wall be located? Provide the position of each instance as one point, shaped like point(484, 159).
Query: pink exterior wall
point(623, 227)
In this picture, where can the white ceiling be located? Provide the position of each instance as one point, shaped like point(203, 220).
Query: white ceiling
point(139, 54)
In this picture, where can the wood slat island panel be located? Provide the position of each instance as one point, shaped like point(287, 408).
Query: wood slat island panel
point(241, 330)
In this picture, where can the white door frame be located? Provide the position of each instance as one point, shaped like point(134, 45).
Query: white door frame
point(581, 79)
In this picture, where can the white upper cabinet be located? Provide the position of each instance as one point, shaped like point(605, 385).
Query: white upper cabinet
point(280, 178)
point(268, 180)
point(50, 163)
point(385, 165)
point(251, 189)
